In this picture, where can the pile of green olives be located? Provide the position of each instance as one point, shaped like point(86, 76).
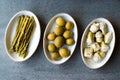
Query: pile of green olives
point(61, 35)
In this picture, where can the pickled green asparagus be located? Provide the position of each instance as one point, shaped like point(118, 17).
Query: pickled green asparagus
point(25, 39)
point(23, 35)
point(12, 49)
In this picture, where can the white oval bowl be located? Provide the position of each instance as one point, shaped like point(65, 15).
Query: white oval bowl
point(50, 26)
point(89, 62)
point(10, 33)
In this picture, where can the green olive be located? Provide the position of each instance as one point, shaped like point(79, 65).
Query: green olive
point(60, 21)
point(64, 52)
point(51, 47)
point(59, 41)
point(51, 36)
point(55, 56)
point(59, 30)
point(67, 34)
point(69, 25)
point(70, 41)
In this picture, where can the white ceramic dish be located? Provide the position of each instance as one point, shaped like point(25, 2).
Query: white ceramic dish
point(89, 62)
point(10, 32)
point(50, 26)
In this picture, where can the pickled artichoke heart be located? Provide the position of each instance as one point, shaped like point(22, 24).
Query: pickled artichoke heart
point(88, 52)
point(94, 27)
point(96, 57)
point(103, 28)
point(90, 38)
point(102, 54)
point(104, 47)
point(99, 40)
point(95, 46)
point(98, 34)
point(108, 37)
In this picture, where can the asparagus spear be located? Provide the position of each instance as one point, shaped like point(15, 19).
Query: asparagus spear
point(27, 31)
point(14, 40)
point(24, 48)
point(22, 33)
point(19, 31)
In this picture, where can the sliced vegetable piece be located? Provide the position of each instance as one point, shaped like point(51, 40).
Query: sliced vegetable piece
point(88, 52)
point(99, 40)
point(90, 38)
point(103, 28)
point(94, 27)
point(95, 46)
point(98, 34)
point(102, 54)
point(104, 47)
point(108, 37)
point(96, 57)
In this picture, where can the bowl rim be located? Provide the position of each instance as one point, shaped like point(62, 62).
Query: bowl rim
point(15, 15)
point(44, 37)
point(82, 39)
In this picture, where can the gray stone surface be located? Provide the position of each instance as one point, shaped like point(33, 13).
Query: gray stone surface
point(37, 67)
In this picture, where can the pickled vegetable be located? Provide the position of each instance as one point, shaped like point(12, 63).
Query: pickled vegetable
point(51, 47)
point(62, 35)
point(70, 41)
point(98, 34)
point(22, 33)
point(60, 21)
point(97, 57)
point(108, 37)
point(55, 56)
point(12, 48)
point(51, 36)
point(103, 28)
point(104, 47)
point(94, 27)
point(90, 38)
point(102, 54)
point(59, 41)
point(69, 25)
point(99, 39)
point(64, 52)
point(22, 38)
point(67, 34)
point(95, 46)
point(59, 30)
point(88, 52)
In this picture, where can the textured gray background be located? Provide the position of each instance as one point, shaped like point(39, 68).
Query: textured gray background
point(37, 67)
